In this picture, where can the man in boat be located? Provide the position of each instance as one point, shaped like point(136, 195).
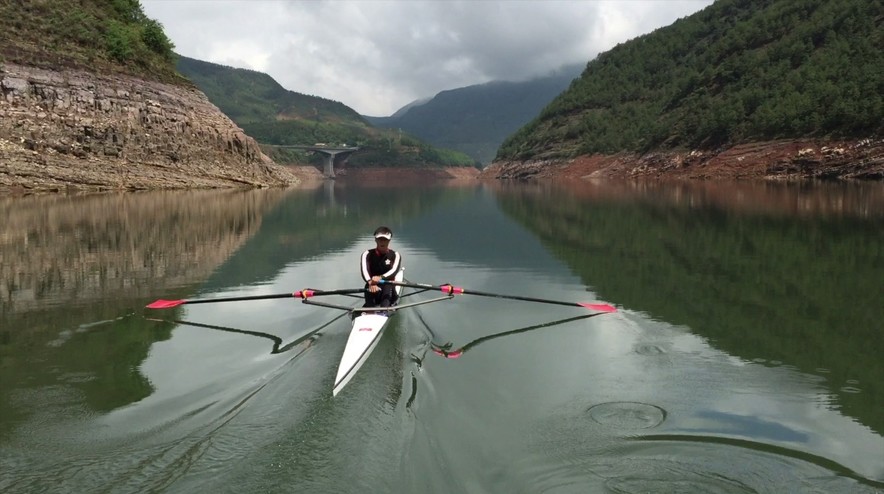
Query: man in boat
point(380, 263)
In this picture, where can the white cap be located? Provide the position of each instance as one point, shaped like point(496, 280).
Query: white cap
point(387, 236)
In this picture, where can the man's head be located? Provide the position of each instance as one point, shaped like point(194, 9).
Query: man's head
point(382, 237)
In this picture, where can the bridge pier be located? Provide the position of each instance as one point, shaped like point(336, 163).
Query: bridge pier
point(329, 162)
point(328, 168)
point(328, 155)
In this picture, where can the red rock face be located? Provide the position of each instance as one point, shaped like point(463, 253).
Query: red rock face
point(800, 159)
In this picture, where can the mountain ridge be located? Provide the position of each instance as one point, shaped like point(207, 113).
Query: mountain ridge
point(276, 116)
point(476, 119)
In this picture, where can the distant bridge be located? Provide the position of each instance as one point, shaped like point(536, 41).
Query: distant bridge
point(330, 153)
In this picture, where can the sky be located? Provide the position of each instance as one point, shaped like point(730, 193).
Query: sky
point(377, 56)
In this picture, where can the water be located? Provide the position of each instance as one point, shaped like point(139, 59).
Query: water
point(744, 356)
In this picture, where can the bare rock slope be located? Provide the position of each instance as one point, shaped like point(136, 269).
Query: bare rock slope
point(781, 160)
point(68, 128)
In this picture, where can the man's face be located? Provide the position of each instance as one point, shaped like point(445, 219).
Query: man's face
point(382, 243)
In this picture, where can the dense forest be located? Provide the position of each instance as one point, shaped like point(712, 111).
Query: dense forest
point(104, 35)
point(737, 71)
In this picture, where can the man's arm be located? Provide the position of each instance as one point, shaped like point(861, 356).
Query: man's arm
point(394, 268)
point(366, 275)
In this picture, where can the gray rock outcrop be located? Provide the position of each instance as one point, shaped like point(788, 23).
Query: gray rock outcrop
point(63, 129)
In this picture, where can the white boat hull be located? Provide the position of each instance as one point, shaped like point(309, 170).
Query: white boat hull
point(364, 337)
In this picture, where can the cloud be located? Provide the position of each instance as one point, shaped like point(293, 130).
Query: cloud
point(377, 56)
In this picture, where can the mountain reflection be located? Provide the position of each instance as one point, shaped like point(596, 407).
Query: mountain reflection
point(76, 272)
point(76, 269)
point(772, 273)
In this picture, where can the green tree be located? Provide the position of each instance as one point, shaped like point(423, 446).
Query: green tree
point(155, 38)
point(120, 41)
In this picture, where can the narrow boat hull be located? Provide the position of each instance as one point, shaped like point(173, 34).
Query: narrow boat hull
point(364, 337)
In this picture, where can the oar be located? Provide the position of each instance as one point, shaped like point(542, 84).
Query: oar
point(303, 294)
point(454, 290)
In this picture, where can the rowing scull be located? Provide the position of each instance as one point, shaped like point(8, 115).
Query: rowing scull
point(369, 322)
point(368, 325)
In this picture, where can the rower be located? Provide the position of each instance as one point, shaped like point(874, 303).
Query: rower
point(380, 263)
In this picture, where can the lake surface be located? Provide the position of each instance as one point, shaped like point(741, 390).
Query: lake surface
point(745, 355)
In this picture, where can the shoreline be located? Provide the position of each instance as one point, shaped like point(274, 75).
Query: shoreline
point(803, 159)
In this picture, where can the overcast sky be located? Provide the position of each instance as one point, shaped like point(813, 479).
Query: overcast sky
point(377, 56)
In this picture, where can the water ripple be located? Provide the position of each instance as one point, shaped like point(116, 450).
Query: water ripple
point(627, 414)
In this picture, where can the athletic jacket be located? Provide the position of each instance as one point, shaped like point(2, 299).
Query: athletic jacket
point(384, 265)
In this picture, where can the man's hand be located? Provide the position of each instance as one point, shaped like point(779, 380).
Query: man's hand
point(373, 284)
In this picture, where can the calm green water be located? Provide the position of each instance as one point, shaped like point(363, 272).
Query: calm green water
point(745, 355)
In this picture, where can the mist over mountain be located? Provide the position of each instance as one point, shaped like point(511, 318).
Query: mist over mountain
point(477, 119)
point(403, 110)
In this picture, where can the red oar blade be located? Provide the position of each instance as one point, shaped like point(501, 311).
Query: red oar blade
point(598, 307)
point(447, 354)
point(164, 304)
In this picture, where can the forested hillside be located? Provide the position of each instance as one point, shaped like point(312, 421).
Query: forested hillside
point(274, 115)
point(98, 35)
point(477, 119)
point(256, 97)
point(738, 71)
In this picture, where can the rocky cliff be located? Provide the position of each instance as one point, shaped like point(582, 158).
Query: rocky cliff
point(782, 160)
point(75, 129)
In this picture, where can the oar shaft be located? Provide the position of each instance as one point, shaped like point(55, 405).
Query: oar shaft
point(517, 297)
point(306, 293)
point(309, 292)
point(303, 294)
point(453, 290)
point(238, 299)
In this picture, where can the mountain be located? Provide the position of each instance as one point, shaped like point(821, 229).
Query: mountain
point(476, 119)
point(401, 111)
point(739, 71)
point(270, 113)
point(274, 115)
point(248, 96)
